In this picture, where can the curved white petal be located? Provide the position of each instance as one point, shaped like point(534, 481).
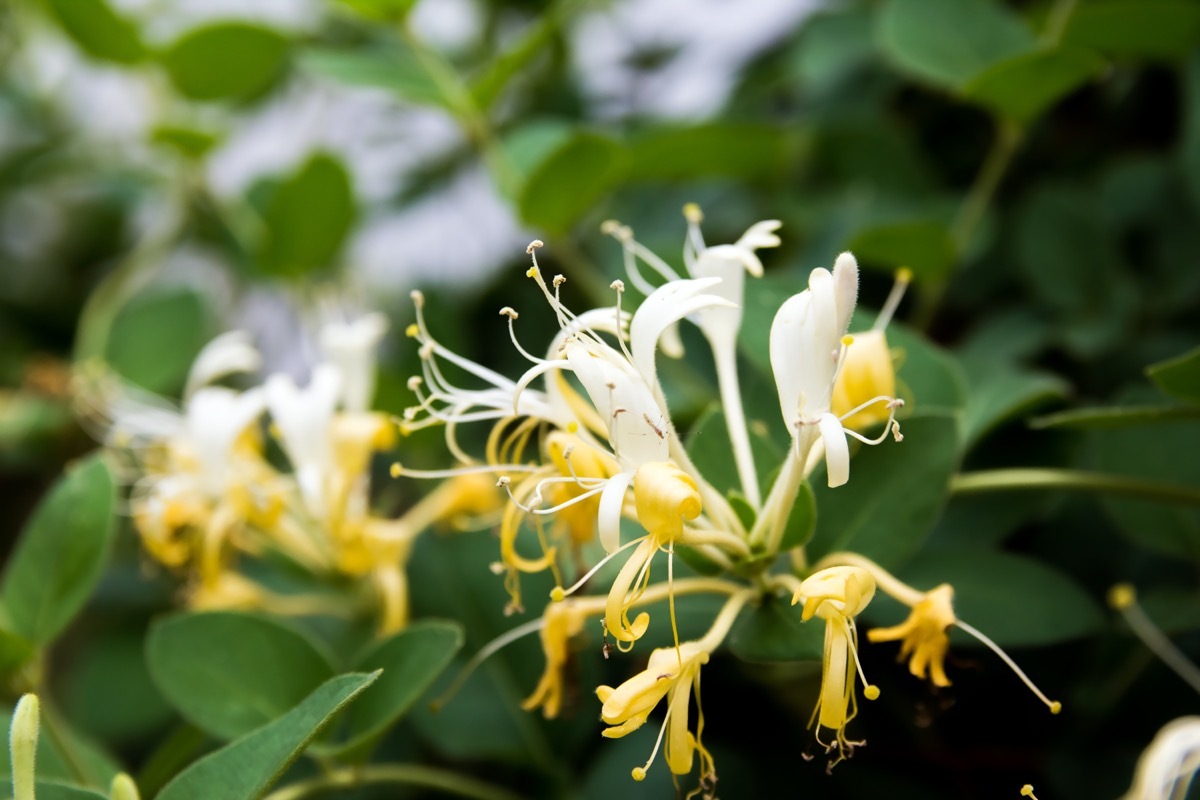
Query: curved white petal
point(668, 304)
point(350, 347)
point(845, 278)
point(638, 428)
point(837, 450)
point(228, 354)
point(303, 418)
point(215, 418)
point(788, 356)
point(612, 500)
point(760, 234)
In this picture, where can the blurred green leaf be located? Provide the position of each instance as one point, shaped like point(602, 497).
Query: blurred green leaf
point(537, 37)
point(1153, 28)
point(802, 520)
point(710, 450)
point(1023, 86)
point(73, 760)
point(1174, 610)
point(923, 246)
point(774, 632)
point(106, 691)
point(1179, 376)
point(1118, 417)
point(1000, 392)
point(15, 652)
point(832, 46)
point(739, 149)
point(244, 769)
point(27, 422)
point(381, 10)
point(155, 337)
point(411, 661)
point(928, 378)
point(1167, 452)
point(895, 494)
point(1015, 600)
point(61, 552)
point(50, 790)
point(570, 181)
point(949, 42)
point(99, 31)
point(229, 672)
point(394, 68)
point(190, 142)
point(225, 60)
point(308, 217)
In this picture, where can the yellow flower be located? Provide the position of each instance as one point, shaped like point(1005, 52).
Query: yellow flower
point(837, 595)
point(867, 372)
point(560, 622)
point(923, 634)
point(671, 673)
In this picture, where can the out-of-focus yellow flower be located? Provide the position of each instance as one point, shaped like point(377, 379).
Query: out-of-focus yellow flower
point(922, 636)
point(561, 622)
point(837, 595)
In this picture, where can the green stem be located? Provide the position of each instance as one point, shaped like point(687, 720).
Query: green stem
point(999, 480)
point(403, 774)
point(76, 765)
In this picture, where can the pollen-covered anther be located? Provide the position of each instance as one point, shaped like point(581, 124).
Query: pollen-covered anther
point(395, 470)
point(509, 312)
point(1122, 596)
point(558, 281)
point(426, 351)
point(618, 285)
point(535, 244)
point(497, 568)
point(848, 340)
point(414, 383)
point(503, 481)
point(692, 213)
point(412, 331)
point(418, 297)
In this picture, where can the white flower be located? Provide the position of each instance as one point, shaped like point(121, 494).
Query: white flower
point(304, 419)
point(350, 347)
point(1166, 768)
point(230, 353)
point(214, 418)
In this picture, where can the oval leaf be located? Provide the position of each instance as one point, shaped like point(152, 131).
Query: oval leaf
point(155, 337)
point(411, 661)
point(229, 672)
point(225, 60)
point(569, 181)
point(895, 494)
point(61, 553)
point(1024, 86)
point(307, 218)
point(774, 632)
point(925, 247)
point(99, 30)
point(1179, 376)
point(1153, 28)
point(244, 769)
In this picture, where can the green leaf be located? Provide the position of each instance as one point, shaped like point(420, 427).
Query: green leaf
point(924, 246)
point(1167, 452)
point(1152, 28)
point(895, 494)
point(949, 42)
point(1000, 392)
point(51, 790)
point(1024, 86)
point(1015, 600)
point(226, 60)
point(244, 769)
point(99, 31)
point(410, 661)
point(928, 377)
point(1119, 417)
point(395, 69)
point(192, 143)
point(1179, 376)
point(710, 450)
point(802, 520)
point(570, 181)
point(73, 760)
point(381, 10)
point(229, 672)
point(773, 632)
point(155, 337)
point(738, 149)
point(832, 47)
point(61, 553)
point(307, 218)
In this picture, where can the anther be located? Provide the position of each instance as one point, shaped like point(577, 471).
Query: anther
point(558, 281)
point(904, 275)
point(638, 773)
point(609, 227)
point(618, 285)
point(412, 331)
point(1027, 791)
point(1122, 596)
point(497, 568)
point(508, 311)
point(871, 691)
point(395, 469)
point(503, 480)
point(418, 297)
point(847, 340)
point(414, 383)
point(558, 594)
point(535, 244)
point(692, 213)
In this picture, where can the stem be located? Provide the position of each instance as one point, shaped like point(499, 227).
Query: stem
point(65, 748)
point(403, 774)
point(889, 583)
point(725, 356)
point(1076, 480)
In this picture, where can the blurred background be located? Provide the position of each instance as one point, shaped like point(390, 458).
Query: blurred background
point(170, 169)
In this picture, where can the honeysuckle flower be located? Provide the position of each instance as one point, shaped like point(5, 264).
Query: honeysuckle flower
point(1167, 767)
point(867, 371)
point(230, 353)
point(561, 622)
point(303, 418)
point(923, 636)
point(838, 595)
point(350, 348)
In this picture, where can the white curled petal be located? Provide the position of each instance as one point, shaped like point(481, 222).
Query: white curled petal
point(666, 305)
point(215, 418)
point(837, 450)
point(228, 354)
point(350, 346)
point(612, 501)
point(845, 278)
point(760, 234)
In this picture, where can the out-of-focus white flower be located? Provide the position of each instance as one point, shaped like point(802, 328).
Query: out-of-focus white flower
point(350, 347)
point(304, 419)
point(1167, 767)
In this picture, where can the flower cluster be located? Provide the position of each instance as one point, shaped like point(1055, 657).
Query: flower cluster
point(207, 494)
point(584, 440)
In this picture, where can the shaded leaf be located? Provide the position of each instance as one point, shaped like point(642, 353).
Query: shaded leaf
point(774, 632)
point(244, 769)
point(570, 181)
point(229, 672)
point(61, 553)
point(1179, 376)
point(1000, 392)
point(226, 60)
point(155, 337)
point(395, 69)
point(307, 218)
point(98, 30)
point(924, 246)
point(1118, 417)
point(949, 42)
point(1023, 86)
point(1152, 28)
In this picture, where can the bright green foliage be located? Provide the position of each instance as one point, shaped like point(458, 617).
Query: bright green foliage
point(61, 553)
point(225, 60)
point(245, 768)
point(155, 337)
point(99, 30)
point(307, 218)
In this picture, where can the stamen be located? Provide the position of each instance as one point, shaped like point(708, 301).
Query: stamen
point(512, 315)
point(1027, 791)
point(1053, 705)
point(870, 690)
point(486, 652)
point(639, 773)
point(1123, 598)
point(397, 469)
point(891, 426)
point(903, 278)
point(619, 287)
point(558, 593)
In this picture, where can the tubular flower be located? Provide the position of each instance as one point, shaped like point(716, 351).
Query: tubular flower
point(867, 371)
point(837, 595)
point(560, 623)
point(665, 496)
point(923, 636)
